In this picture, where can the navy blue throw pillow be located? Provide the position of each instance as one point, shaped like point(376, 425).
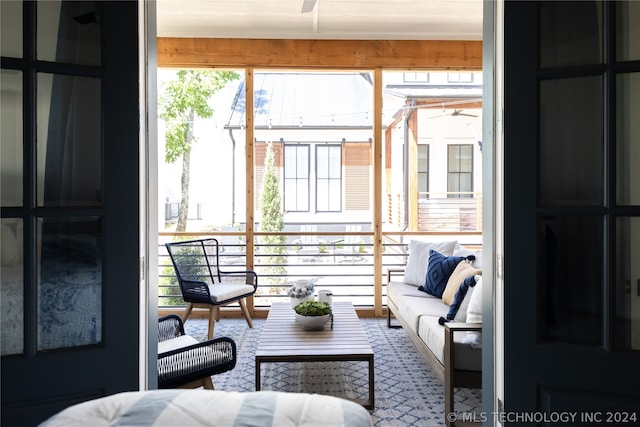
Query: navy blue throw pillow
point(438, 272)
point(457, 300)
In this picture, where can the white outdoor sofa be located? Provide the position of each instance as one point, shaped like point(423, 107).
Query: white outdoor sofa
point(452, 347)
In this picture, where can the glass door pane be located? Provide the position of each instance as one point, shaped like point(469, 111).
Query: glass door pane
point(11, 138)
point(627, 284)
point(628, 31)
point(11, 29)
point(571, 156)
point(69, 146)
point(12, 287)
point(570, 287)
point(69, 282)
point(628, 139)
point(567, 41)
point(69, 31)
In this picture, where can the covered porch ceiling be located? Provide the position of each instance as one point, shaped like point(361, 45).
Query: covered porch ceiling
point(321, 19)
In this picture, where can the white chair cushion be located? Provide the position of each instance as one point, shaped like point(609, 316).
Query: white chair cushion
point(225, 291)
point(176, 343)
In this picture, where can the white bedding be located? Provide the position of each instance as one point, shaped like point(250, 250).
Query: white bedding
point(195, 408)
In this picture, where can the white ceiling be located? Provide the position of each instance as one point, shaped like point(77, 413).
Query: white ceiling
point(321, 19)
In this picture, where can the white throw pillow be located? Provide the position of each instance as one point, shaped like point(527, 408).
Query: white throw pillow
point(461, 315)
point(462, 251)
point(415, 272)
point(474, 315)
point(474, 311)
point(477, 263)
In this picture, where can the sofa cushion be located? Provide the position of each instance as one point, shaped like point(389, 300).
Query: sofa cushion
point(465, 356)
point(411, 308)
point(416, 268)
point(460, 273)
point(467, 284)
point(396, 290)
point(438, 272)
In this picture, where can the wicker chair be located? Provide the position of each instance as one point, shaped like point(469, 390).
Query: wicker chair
point(183, 362)
point(204, 285)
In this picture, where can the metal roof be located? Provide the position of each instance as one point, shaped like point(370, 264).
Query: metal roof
point(307, 100)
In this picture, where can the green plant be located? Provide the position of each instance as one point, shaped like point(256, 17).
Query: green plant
point(313, 308)
point(168, 290)
point(181, 100)
point(274, 246)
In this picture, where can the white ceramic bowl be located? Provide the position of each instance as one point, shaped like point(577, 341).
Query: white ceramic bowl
point(312, 323)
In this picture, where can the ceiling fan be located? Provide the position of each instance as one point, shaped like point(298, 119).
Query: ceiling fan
point(308, 5)
point(455, 112)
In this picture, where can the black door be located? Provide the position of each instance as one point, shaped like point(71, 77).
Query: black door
point(571, 212)
point(70, 215)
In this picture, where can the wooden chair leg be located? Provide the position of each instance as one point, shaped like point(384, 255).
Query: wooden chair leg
point(207, 383)
point(245, 312)
point(212, 320)
point(187, 312)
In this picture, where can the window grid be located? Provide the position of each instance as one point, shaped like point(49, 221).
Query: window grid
point(460, 170)
point(296, 178)
point(328, 178)
point(416, 77)
point(423, 171)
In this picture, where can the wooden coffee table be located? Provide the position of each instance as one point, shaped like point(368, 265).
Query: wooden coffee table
point(283, 340)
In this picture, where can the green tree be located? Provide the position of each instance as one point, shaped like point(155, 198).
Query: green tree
point(183, 99)
point(272, 220)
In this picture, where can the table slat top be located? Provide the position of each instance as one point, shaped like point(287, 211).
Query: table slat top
point(283, 336)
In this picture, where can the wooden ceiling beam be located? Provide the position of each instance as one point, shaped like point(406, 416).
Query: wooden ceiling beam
point(327, 54)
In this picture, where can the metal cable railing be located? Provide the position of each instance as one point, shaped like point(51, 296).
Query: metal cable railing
point(345, 269)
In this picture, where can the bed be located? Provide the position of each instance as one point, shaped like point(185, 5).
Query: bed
point(194, 408)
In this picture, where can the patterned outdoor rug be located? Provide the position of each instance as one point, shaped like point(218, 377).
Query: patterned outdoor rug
point(407, 392)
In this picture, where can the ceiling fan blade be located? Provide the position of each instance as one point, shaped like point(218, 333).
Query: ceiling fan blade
point(308, 5)
point(460, 113)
